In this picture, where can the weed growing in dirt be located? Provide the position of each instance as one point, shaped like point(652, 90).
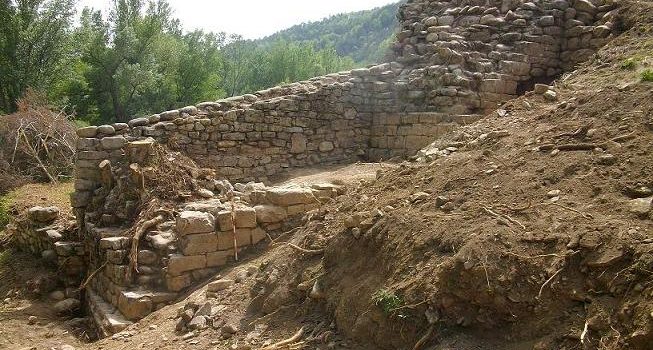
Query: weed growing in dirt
point(388, 301)
point(629, 64)
point(647, 75)
point(4, 212)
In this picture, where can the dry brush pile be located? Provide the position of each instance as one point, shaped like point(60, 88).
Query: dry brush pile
point(37, 143)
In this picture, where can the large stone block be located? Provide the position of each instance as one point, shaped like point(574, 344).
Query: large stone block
point(267, 214)
point(199, 243)
point(115, 243)
point(43, 214)
point(192, 222)
point(258, 234)
point(297, 143)
point(134, 306)
point(178, 283)
point(287, 196)
point(87, 132)
point(219, 258)
point(226, 239)
point(245, 218)
point(178, 264)
point(113, 142)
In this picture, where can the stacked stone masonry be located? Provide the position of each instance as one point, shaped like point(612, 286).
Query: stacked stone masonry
point(454, 61)
point(177, 254)
point(43, 232)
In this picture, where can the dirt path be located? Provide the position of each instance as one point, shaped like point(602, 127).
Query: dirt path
point(346, 174)
point(33, 325)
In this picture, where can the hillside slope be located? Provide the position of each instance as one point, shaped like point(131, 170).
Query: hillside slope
point(364, 36)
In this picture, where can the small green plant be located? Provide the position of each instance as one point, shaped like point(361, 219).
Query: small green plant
point(388, 301)
point(81, 123)
point(4, 212)
point(647, 75)
point(629, 64)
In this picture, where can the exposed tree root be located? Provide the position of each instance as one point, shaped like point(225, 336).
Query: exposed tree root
point(539, 295)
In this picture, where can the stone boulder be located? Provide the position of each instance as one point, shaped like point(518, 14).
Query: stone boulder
point(67, 306)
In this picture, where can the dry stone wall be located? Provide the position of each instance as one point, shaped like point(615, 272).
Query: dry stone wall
point(468, 55)
point(455, 59)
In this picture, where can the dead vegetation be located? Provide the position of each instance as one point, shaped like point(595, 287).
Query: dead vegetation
point(36, 143)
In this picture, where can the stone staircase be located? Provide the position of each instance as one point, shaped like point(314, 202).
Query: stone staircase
point(187, 250)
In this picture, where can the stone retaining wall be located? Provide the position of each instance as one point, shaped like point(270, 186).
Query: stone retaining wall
point(42, 232)
point(473, 54)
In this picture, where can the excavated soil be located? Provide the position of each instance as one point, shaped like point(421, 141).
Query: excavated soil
point(532, 234)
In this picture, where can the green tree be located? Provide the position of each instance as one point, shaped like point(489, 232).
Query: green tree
point(121, 68)
point(138, 61)
point(35, 46)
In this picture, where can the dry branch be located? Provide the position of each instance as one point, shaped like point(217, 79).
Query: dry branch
point(572, 147)
point(585, 215)
point(92, 275)
point(144, 227)
point(286, 342)
point(304, 250)
point(424, 338)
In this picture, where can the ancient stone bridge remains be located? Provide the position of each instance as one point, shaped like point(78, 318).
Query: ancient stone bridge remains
point(453, 62)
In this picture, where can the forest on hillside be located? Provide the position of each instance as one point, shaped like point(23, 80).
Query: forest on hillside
point(363, 36)
point(138, 59)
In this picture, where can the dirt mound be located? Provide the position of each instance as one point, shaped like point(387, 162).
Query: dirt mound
point(534, 232)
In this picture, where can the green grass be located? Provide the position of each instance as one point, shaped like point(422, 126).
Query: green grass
point(81, 123)
point(5, 257)
point(629, 64)
point(647, 75)
point(388, 301)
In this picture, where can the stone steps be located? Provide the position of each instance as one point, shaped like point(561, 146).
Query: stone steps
point(107, 318)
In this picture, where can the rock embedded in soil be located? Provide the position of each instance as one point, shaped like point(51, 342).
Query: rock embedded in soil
point(550, 95)
point(67, 305)
point(230, 328)
point(219, 285)
point(541, 88)
point(57, 295)
point(419, 196)
point(198, 323)
point(640, 206)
